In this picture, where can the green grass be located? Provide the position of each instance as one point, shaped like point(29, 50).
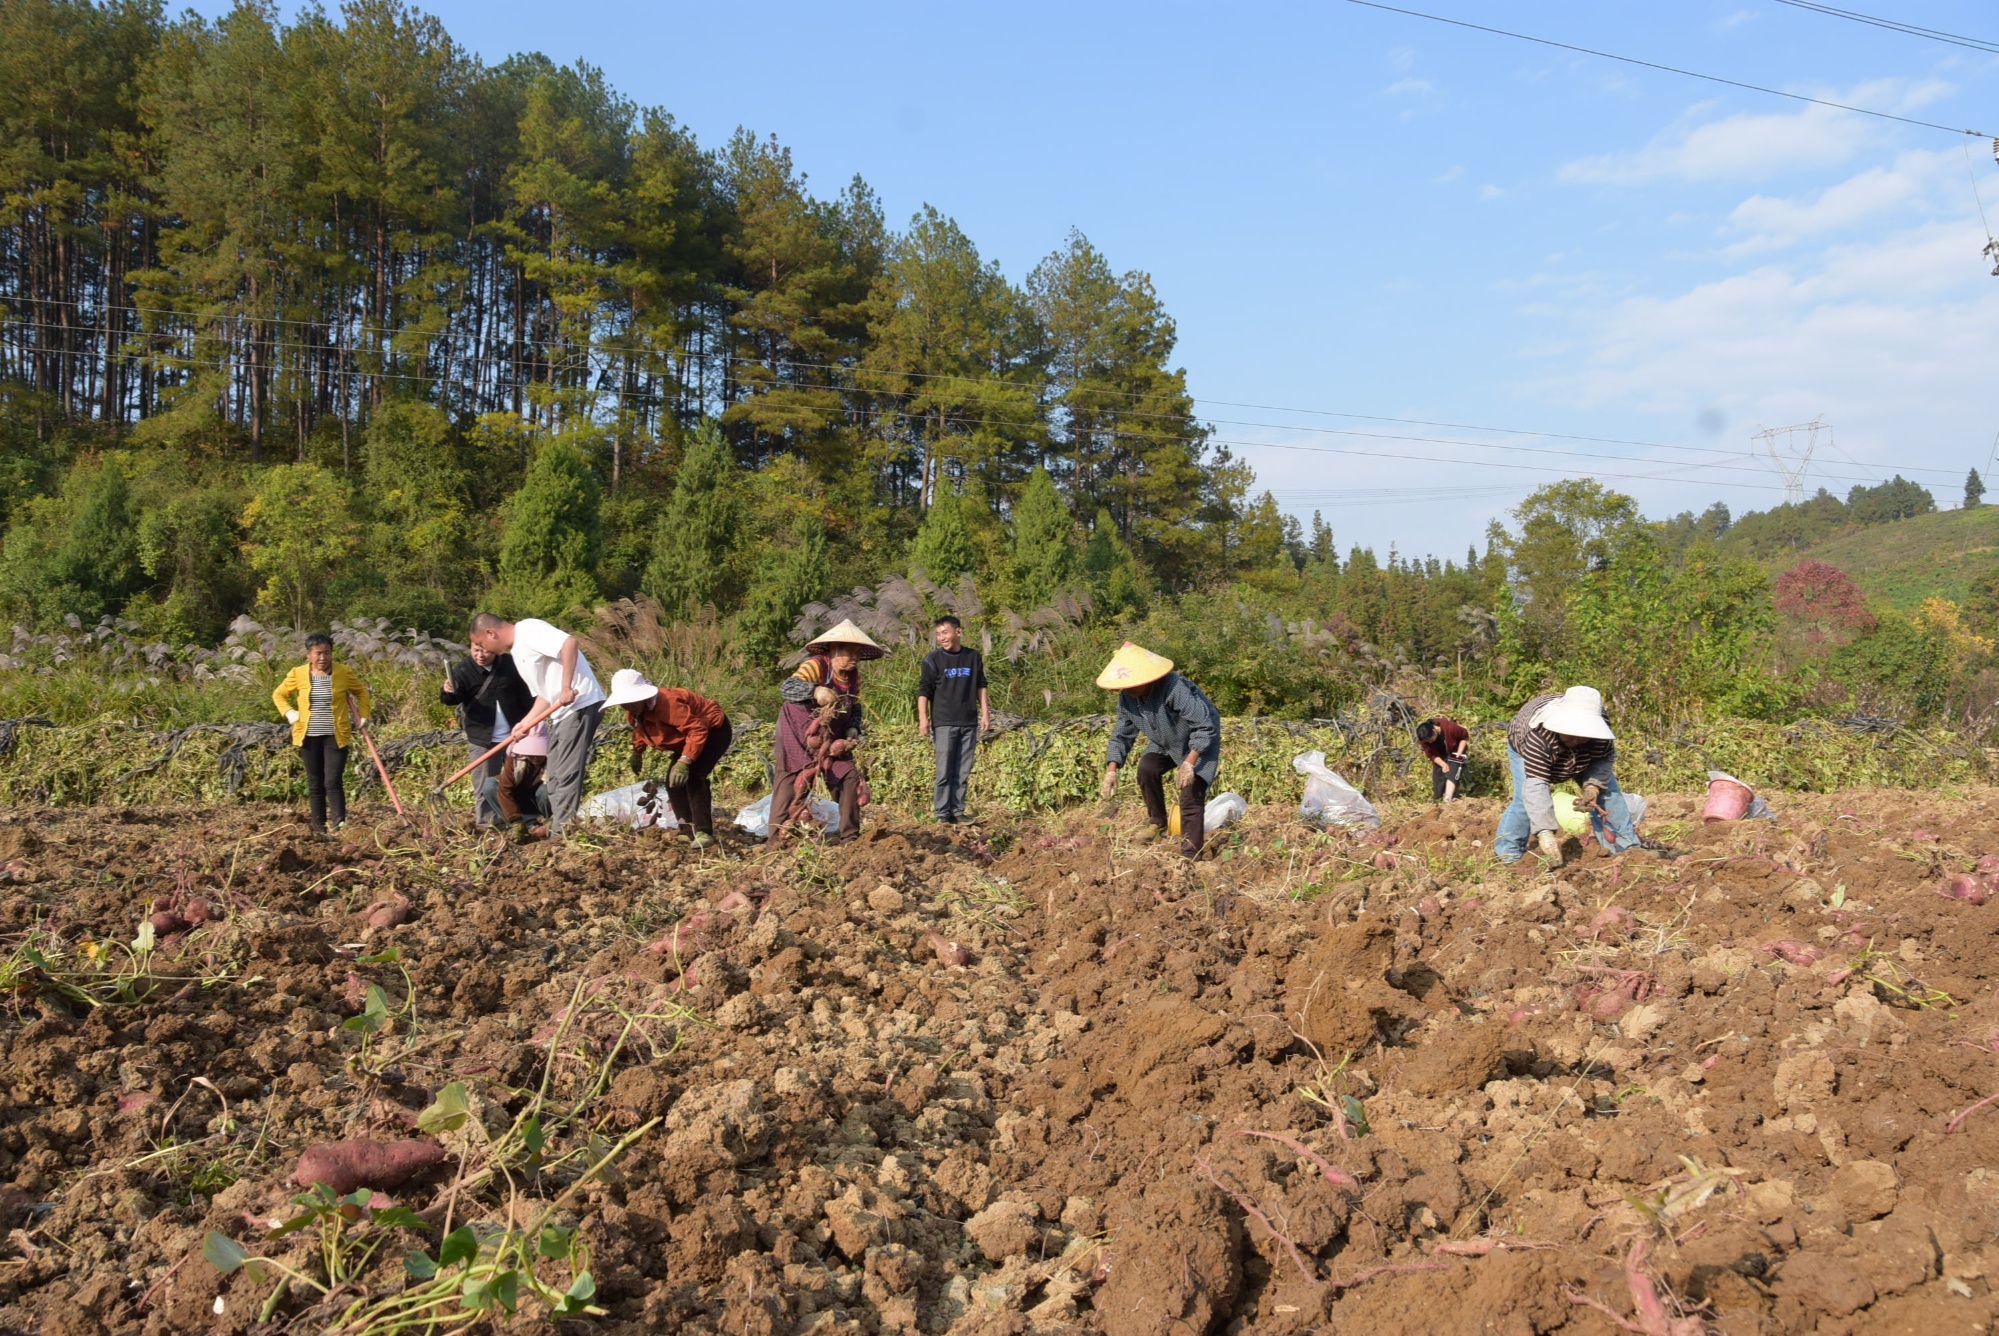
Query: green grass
point(1904, 562)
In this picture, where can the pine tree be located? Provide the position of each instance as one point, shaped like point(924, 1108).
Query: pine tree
point(1974, 490)
point(552, 537)
point(694, 551)
point(943, 549)
point(1044, 552)
point(802, 575)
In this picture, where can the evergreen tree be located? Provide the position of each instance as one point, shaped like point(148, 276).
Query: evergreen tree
point(552, 537)
point(1108, 566)
point(694, 550)
point(1044, 550)
point(1974, 490)
point(943, 549)
point(801, 574)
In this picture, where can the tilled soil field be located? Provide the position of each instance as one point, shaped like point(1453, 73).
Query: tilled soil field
point(1031, 1077)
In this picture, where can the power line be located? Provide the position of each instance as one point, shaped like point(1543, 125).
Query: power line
point(1895, 25)
point(1669, 69)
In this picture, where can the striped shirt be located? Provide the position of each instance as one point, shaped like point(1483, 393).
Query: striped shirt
point(1543, 755)
point(319, 723)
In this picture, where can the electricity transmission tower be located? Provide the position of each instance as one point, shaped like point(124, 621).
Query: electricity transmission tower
point(1789, 450)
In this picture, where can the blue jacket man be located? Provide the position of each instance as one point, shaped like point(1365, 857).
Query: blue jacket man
point(1184, 728)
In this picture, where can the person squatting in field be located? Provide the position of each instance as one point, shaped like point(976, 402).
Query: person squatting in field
point(553, 665)
point(952, 710)
point(321, 699)
point(487, 692)
point(1446, 743)
point(1554, 737)
point(517, 792)
point(818, 727)
point(694, 733)
point(1183, 727)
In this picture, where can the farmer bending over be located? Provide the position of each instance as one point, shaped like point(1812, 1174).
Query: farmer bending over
point(1446, 743)
point(552, 664)
point(1558, 736)
point(489, 696)
point(692, 730)
point(315, 700)
point(1184, 727)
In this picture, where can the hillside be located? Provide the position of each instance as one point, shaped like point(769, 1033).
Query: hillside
point(1903, 562)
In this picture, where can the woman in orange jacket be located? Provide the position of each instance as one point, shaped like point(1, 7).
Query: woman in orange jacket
point(321, 699)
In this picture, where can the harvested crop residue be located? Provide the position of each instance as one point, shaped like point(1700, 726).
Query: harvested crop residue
point(1282, 1090)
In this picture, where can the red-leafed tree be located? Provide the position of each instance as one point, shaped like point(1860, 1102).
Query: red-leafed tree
point(1824, 602)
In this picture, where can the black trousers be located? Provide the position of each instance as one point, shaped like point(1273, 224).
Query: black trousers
point(1440, 777)
point(694, 801)
point(1152, 768)
point(325, 779)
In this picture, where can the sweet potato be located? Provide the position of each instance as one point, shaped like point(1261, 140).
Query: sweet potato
point(948, 951)
point(682, 938)
point(1429, 907)
point(390, 912)
point(732, 902)
point(166, 923)
point(200, 911)
point(1792, 950)
point(1988, 865)
point(346, 1165)
point(1965, 887)
point(1385, 861)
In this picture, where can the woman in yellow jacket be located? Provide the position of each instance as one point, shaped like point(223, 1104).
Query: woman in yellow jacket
point(314, 698)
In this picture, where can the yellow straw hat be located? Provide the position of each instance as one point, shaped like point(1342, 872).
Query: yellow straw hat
point(1132, 666)
point(846, 633)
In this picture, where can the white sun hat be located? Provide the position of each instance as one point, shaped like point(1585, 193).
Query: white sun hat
point(629, 687)
point(1578, 712)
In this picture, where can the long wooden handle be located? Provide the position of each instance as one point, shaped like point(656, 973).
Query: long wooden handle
point(542, 709)
point(380, 769)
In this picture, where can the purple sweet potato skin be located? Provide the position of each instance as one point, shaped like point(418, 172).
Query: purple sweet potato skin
point(344, 1166)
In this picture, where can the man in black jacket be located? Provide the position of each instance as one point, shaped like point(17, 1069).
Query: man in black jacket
point(490, 697)
point(953, 686)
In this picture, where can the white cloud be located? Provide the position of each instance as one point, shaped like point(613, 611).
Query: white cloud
point(1735, 20)
point(1489, 191)
point(1411, 88)
point(1450, 176)
point(1747, 146)
point(1401, 58)
point(1766, 222)
point(1890, 338)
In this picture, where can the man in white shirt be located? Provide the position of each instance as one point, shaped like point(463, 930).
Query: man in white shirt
point(555, 670)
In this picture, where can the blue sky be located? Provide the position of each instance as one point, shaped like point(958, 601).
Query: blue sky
point(1357, 212)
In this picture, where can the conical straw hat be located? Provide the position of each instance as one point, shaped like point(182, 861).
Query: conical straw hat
point(1132, 666)
point(846, 633)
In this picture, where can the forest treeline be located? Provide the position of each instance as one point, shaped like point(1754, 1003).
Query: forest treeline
point(329, 319)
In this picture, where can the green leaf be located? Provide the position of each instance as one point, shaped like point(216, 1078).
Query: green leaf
point(532, 1137)
point(494, 1292)
point(460, 1245)
point(386, 956)
point(418, 1265)
point(555, 1241)
point(358, 1197)
point(584, 1289)
point(400, 1217)
point(448, 1112)
point(223, 1253)
point(296, 1223)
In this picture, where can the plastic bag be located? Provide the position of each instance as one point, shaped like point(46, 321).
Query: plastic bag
point(1574, 821)
point(1221, 810)
point(637, 805)
point(756, 817)
point(1330, 800)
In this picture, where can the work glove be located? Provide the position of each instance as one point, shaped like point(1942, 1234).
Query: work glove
point(1109, 786)
point(1185, 774)
point(678, 773)
point(1592, 795)
point(824, 695)
point(291, 716)
point(638, 761)
point(1551, 847)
